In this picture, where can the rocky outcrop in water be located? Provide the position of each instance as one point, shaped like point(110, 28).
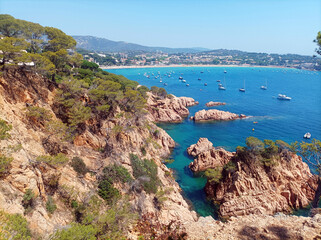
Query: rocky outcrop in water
point(253, 187)
point(206, 156)
point(215, 115)
point(212, 104)
point(172, 109)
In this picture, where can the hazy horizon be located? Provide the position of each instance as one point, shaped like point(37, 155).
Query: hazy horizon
point(272, 26)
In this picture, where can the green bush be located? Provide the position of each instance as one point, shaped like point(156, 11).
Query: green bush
point(4, 129)
point(79, 166)
point(50, 205)
point(14, 227)
point(214, 175)
point(5, 165)
point(76, 232)
point(108, 192)
point(55, 161)
point(147, 171)
point(254, 145)
point(28, 200)
point(116, 173)
point(38, 114)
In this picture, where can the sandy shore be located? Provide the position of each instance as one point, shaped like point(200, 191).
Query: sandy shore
point(184, 65)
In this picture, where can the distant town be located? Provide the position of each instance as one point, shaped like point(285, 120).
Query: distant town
point(215, 57)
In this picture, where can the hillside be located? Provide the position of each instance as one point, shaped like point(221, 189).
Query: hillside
point(104, 45)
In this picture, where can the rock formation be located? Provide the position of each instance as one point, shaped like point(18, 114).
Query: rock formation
point(212, 104)
point(206, 156)
point(202, 145)
point(253, 188)
point(215, 115)
point(169, 109)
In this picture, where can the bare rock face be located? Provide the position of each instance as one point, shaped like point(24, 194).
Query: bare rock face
point(212, 104)
point(202, 145)
point(261, 227)
point(211, 159)
point(215, 115)
point(255, 189)
point(169, 109)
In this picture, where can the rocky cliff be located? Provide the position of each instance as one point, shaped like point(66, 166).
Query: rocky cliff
point(215, 115)
point(257, 186)
point(172, 109)
point(101, 144)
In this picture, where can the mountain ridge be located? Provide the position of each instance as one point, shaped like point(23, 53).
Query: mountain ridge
point(105, 45)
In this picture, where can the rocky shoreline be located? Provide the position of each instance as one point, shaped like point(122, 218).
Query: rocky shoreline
point(212, 104)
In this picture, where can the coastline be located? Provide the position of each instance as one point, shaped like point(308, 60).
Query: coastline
point(185, 65)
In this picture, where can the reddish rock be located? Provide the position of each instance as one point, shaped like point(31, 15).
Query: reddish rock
point(202, 145)
point(169, 109)
point(214, 114)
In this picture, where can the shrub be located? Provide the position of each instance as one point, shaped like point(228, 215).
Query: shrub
point(50, 205)
point(76, 232)
point(270, 149)
point(254, 145)
point(5, 165)
point(55, 161)
point(143, 150)
point(147, 171)
point(4, 129)
point(230, 167)
point(108, 192)
point(116, 173)
point(214, 175)
point(14, 226)
point(28, 200)
point(79, 166)
point(38, 114)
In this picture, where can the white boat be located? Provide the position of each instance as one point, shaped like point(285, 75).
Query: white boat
point(307, 135)
point(180, 78)
point(187, 85)
point(283, 97)
point(225, 71)
point(183, 81)
point(264, 87)
point(199, 79)
point(243, 88)
point(205, 84)
point(221, 88)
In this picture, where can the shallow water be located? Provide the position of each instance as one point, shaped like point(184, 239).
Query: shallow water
point(277, 119)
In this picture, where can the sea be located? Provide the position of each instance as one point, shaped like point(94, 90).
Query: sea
point(271, 118)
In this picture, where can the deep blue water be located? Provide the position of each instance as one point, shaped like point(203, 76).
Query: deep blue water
point(285, 120)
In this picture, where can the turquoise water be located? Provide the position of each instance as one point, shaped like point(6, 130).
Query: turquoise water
point(285, 120)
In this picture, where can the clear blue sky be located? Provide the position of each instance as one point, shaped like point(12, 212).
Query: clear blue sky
point(273, 26)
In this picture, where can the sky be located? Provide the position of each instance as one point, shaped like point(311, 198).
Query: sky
point(271, 26)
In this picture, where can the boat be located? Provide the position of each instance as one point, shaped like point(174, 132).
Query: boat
point(243, 88)
point(220, 84)
point(221, 88)
point(165, 84)
point(225, 71)
point(218, 80)
point(205, 84)
point(160, 81)
point(264, 87)
point(307, 135)
point(283, 97)
point(184, 81)
point(199, 79)
point(187, 85)
point(202, 72)
point(180, 78)
point(255, 122)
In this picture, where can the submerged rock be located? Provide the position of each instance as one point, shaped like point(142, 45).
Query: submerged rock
point(212, 104)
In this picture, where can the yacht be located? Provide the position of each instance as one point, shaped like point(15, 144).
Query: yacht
point(205, 84)
point(218, 80)
point(307, 135)
point(225, 71)
point(283, 97)
point(187, 84)
point(180, 78)
point(184, 81)
point(199, 79)
point(221, 88)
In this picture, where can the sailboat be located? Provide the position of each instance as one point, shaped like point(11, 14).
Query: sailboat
point(243, 88)
point(221, 87)
point(264, 87)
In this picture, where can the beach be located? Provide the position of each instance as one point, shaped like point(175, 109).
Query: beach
point(185, 65)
